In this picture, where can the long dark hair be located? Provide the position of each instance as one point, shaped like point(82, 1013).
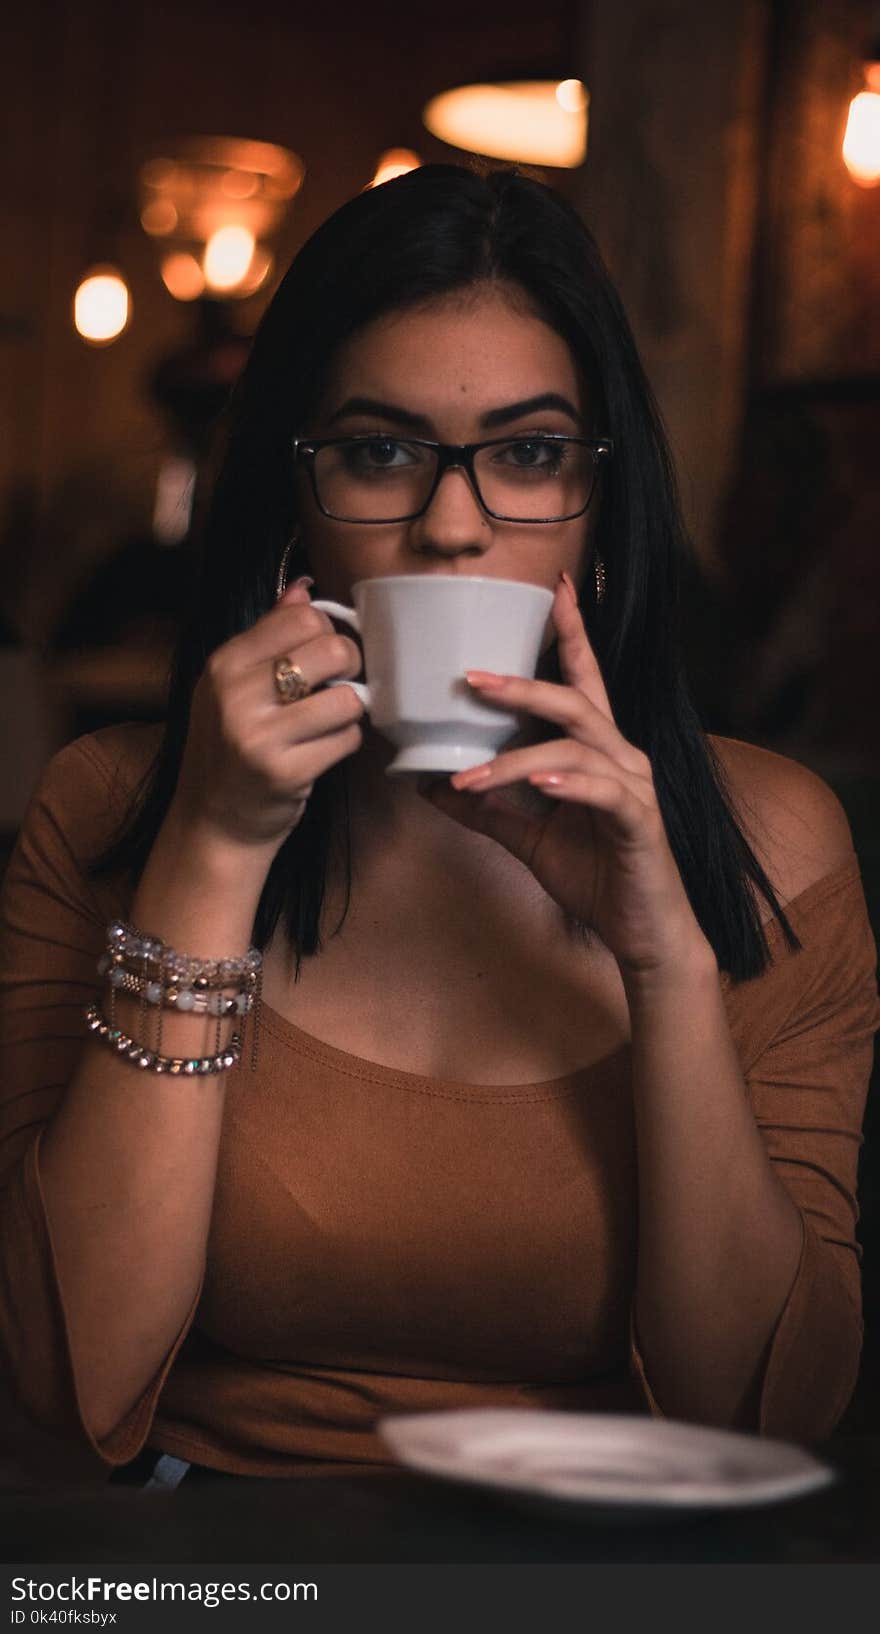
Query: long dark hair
point(435, 230)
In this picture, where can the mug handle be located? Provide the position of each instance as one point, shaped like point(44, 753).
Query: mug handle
point(347, 615)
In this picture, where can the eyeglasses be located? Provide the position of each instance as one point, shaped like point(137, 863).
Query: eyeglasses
point(377, 478)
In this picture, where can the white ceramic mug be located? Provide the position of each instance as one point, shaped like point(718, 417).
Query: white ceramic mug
point(420, 632)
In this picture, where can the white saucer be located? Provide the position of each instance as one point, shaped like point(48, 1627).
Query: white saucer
point(603, 1461)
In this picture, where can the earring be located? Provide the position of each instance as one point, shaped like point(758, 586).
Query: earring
point(599, 570)
point(292, 545)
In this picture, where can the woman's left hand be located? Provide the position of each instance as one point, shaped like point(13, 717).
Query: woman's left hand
point(601, 849)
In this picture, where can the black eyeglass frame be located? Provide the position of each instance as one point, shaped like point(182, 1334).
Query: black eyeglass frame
point(449, 455)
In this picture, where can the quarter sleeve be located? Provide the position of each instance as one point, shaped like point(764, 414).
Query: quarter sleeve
point(804, 1033)
point(52, 932)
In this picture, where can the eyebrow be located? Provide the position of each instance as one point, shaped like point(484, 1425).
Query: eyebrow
point(419, 423)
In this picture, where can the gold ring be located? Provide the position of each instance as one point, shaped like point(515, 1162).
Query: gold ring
point(290, 683)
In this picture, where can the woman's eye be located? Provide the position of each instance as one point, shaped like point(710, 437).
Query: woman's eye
point(377, 454)
point(384, 451)
point(533, 453)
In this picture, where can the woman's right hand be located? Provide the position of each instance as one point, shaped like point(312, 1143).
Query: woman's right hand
point(250, 761)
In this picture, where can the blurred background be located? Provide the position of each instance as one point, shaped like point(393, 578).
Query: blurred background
point(161, 164)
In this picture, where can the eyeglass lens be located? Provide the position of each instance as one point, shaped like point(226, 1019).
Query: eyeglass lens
point(384, 479)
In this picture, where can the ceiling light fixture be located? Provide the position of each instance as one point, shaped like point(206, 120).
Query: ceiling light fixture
point(394, 162)
point(101, 305)
point(536, 122)
point(210, 206)
point(861, 142)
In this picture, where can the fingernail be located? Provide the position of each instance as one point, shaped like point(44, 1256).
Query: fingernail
point(569, 585)
point(467, 780)
point(295, 591)
point(482, 678)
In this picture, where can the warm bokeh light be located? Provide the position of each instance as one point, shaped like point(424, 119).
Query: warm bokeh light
point(525, 120)
point(571, 94)
point(101, 306)
point(861, 143)
point(159, 217)
point(394, 162)
point(228, 255)
point(226, 197)
point(182, 276)
point(262, 262)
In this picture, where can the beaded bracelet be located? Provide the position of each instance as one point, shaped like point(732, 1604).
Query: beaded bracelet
point(148, 951)
point(196, 1002)
point(162, 978)
point(151, 1060)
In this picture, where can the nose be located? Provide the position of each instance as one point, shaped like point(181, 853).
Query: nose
point(455, 523)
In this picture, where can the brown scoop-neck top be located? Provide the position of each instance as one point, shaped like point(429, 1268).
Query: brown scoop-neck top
point(384, 1242)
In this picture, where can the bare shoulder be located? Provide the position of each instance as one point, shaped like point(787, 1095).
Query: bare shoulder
point(794, 822)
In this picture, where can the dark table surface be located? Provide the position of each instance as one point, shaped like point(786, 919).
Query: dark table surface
point(391, 1517)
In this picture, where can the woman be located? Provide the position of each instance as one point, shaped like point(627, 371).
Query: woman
point(561, 1061)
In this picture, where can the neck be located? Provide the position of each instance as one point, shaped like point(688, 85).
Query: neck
point(388, 812)
point(390, 818)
